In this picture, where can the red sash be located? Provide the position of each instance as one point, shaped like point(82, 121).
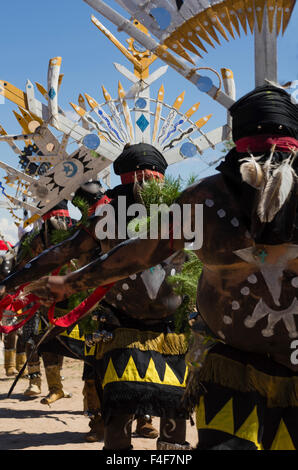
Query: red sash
point(103, 200)
point(130, 177)
point(261, 143)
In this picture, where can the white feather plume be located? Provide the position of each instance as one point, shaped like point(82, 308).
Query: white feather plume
point(251, 172)
point(279, 182)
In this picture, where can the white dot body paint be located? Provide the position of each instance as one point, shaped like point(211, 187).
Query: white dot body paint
point(235, 222)
point(245, 290)
point(267, 332)
point(252, 279)
point(221, 213)
point(249, 322)
point(235, 305)
point(227, 320)
point(220, 333)
point(209, 203)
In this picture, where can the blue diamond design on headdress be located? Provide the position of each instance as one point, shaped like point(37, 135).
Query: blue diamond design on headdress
point(142, 123)
point(52, 93)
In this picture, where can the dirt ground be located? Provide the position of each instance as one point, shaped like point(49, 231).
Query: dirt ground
point(26, 424)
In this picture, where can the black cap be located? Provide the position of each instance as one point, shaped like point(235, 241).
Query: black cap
point(140, 157)
point(92, 187)
point(62, 205)
point(90, 191)
point(265, 110)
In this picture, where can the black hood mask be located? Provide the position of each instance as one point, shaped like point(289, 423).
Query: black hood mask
point(92, 191)
point(136, 157)
point(265, 111)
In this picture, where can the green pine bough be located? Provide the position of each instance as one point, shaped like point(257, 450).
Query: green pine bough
point(158, 193)
point(185, 284)
point(25, 248)
point(59, 235)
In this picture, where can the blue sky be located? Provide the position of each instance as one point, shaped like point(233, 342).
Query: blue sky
point(32, 32)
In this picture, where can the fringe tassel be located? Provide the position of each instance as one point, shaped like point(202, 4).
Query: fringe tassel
point(279, 391)
point(170, 343)
point(194, 389)
point(141, 401)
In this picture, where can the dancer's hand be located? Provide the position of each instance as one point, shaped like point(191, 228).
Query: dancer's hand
point(2, 291)
point(50, 289)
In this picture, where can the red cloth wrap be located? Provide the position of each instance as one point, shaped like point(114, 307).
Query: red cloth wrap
point(61, 212)
point(11, 303)
point(3, 245)
point(127, 178)
point(79, 311)
point(261, 143)
point(103, 200)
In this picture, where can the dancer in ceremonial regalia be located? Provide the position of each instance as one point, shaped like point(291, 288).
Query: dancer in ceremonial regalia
point(144, 344)
point(143, 370)
point(33, 242)
point(246, 390)
point(56, 223)
point(14, 347)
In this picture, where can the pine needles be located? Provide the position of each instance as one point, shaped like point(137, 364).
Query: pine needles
point(185, 284)
point(166, 192)
point(154, 192)
point(25, 248)
point(157, 193)
point(58, 236)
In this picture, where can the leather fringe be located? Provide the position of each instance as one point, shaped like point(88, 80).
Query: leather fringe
point(278, 391)
point(170, 343)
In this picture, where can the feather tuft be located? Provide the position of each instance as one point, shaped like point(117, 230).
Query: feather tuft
point(137, 192)
point(276, 190)
point(251, 172)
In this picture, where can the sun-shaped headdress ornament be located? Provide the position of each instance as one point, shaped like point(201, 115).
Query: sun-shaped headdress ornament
point(185, 25)
point(50, 170)
point(184, 28)
point(136, 116)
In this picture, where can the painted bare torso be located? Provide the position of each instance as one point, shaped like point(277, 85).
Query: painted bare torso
point(147, 296)
point(247, 293)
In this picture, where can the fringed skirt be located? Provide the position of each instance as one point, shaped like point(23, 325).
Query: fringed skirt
point(143, 372)
point(245, 397)
point(71, 343)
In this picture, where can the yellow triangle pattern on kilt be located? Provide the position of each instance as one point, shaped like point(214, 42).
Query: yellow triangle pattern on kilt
point(282, 440)
point(224, 421)
point(75, 334)
point(131, 374)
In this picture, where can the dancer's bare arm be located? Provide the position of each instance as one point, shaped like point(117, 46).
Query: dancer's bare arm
point(127, 258)
point(81, 244)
